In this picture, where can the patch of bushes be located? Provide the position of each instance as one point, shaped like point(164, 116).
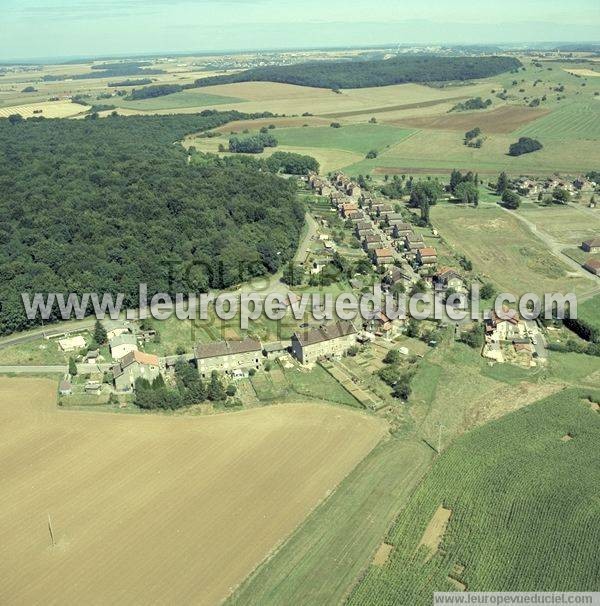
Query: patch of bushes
point(525, 145)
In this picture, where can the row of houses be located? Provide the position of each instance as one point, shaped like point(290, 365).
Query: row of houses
point(527, 186)
point(236, 358)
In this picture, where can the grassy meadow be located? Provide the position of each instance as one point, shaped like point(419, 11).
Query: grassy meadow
point(504, 252)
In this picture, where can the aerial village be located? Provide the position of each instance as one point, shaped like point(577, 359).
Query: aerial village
point(397, 254)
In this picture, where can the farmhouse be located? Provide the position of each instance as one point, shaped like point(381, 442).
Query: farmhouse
point(413, 241)
point(382, 209)
point(228, 356)
point(348, 208)
point(323, 342)
point(504, 327)
point(362, 226)
point(593, 266)
point(371, 242)
point(65, 388)
point(383, 256)
point(379, 324)
point(357, 215)
point(392, 219)
point(132, 366)
point(427, 255)
point(591, 246)
point(396, 275)
point(448, 278)
point(122, 344)
point(401, 230)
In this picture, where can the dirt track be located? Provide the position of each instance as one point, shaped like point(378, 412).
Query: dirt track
point(155, 509)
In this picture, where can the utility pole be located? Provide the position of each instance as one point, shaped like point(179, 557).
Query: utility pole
point(51, 531)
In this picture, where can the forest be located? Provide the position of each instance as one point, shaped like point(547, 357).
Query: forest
point(381, 72)
point(100, 205)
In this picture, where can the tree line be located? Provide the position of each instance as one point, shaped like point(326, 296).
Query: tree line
point(381, 72)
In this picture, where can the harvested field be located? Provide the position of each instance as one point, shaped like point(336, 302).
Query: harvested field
point(48, 109)
point(291, 99)
point(583, 72)
point(157, 509)
point(503, 119)
point(391, 108)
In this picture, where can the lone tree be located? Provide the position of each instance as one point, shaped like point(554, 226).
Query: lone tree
point(99, 333)
point(216, 393)
point(72, 367)
point(511, 200)
point(525, 145)
point(502, 183)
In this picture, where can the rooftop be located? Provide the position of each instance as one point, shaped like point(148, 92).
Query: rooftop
point(226, 348)
point(325, 333)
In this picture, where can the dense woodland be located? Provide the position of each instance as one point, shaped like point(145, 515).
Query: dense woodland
point(360, 74)
point(100, 205)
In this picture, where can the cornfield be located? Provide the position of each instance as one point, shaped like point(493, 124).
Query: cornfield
point(524, 493)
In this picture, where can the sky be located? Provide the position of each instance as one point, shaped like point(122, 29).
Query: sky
point(70, 28)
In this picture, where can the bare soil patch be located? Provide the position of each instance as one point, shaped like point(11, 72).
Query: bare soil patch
point(154, 508)
point(458, 584)
point(505, 119)
point(566, 438)
point(382, 554)
point(432, 537)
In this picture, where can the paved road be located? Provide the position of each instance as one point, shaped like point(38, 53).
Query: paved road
point(556, 249)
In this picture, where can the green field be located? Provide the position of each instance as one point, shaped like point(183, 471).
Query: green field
point(319, 563)
point(524, 507)
point(504, 251)
point(177, 101)
point(573, 121)
point(590, 311)
point(431, 151)
point(359, 138)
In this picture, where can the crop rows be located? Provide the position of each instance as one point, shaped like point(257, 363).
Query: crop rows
point(579, 121)
point(525, 505)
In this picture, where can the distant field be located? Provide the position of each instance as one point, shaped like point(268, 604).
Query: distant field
point(49, 109)
point(572, 121)
point(216, 493)
point(583, 72)
point(569, 225)
point(177, 100)
point(504, 251)
point(358, 138)
point(503, 119)
point(522, 495)
point(444, 150)
point(289, 99)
